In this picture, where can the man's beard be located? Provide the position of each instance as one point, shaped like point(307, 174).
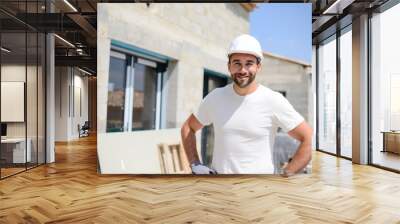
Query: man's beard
point(246, 81)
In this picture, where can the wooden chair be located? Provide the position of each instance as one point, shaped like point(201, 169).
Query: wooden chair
point(173, 159)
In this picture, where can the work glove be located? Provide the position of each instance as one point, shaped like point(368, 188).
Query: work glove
point(286, 173)
point(283, 171)
point(198, 168)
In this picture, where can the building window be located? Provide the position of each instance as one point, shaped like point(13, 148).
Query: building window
point(144, 97)
point(116, 92)
point(134, 93)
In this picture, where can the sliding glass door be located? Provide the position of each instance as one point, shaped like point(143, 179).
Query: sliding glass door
point(15, 152)
point(334, 82)
point(22, 77)
point(385, 89)
point(346, 75)
point(327, 95)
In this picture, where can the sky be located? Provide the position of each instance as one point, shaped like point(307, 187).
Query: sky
point(283, 29)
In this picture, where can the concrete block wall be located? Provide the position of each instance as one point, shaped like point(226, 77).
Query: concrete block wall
point(196, 36)
point(294, 78)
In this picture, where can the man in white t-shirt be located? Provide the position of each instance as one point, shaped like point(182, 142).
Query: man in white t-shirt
point(246, 116)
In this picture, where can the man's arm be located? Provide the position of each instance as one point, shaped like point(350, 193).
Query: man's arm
point(302, 157)
point(188, 132)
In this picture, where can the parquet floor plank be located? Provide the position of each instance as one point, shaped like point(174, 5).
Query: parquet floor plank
point(71, 191)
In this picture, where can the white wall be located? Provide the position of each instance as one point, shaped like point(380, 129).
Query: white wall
point(12, 73)
point(12, 101)
point(61, 103)
point(134, 152)
point(70, 83)
point(80, 84)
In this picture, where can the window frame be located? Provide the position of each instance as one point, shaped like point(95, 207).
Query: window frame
point(334, 37)
point(132, 58)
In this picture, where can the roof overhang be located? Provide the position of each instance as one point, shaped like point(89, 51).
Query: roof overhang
point(302, 63)
point(248, 6)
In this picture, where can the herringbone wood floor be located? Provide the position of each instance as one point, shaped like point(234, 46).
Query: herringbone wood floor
point(70, 191)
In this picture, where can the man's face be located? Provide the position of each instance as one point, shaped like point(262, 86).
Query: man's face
point(243, 69)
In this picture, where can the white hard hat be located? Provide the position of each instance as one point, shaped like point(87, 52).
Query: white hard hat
point(246, 44)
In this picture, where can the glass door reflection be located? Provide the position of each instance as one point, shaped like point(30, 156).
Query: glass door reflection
point(15, 151)
point(327, 96)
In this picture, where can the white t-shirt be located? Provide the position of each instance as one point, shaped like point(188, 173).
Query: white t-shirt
point(245, 128)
